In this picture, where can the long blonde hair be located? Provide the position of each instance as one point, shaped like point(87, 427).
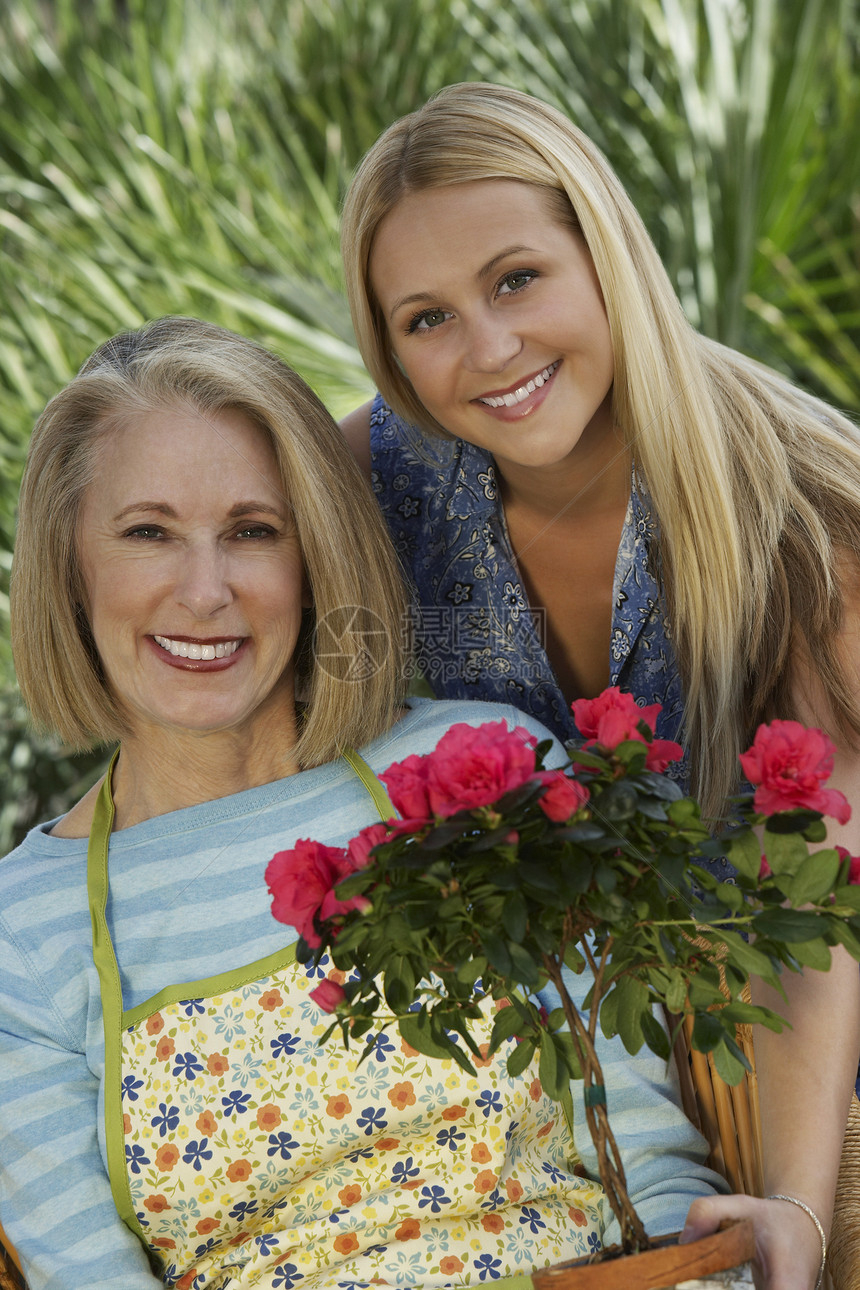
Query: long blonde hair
point(753, 482)
point(358, 595)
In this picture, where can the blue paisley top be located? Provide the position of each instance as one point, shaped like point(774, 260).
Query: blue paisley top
point(474, 633)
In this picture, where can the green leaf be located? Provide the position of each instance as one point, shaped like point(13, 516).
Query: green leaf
point(514, 917)
point(707, 1032)
point(633, 1002)
point(399, 983)
point(676, 992)
point(553, 1080)
point(749, 959)
point(497, 951)
point(471, 970)
point(730, 1062)
point(660, 786)
point(848, 896)
point(792, 821)
point(416, 1030)
point(617, 803)
point(814, 879)
point(790, 925)
point(519, 1059)
point(655, 1036)
point(574, 958)
point(684, 813)
point(785, 852)
point(523, 967)
point(508, 1021)
point(744, 851)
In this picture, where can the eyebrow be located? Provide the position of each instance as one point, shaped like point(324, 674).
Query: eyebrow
point(483, 272)
point(250, 507)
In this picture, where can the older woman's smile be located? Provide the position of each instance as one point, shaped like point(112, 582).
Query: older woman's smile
point(185, 648)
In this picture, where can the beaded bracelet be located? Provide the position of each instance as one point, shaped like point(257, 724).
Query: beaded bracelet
point(792, 1200)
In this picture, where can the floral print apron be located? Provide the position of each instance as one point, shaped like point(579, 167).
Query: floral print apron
point(242, 1153)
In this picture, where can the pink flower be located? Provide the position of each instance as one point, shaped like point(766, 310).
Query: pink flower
point(406, 782)
point(360, 847)
point(474, 766)
point(563, 797)
point(788, 764)
point(660, 753)
point(614, 716)
point(302, 882)
point(764, 870)
point(853, 868)
point(328, 995)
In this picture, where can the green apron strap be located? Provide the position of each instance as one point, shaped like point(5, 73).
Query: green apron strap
point(381, 800)
point(111, 994)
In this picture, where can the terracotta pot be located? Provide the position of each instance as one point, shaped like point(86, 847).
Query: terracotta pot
point(658, 1269)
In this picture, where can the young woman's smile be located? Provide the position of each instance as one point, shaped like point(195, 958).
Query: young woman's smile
point(495, 314)
point(193, 572)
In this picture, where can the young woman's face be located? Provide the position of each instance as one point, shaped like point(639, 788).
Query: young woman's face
point(193, 573)
point(495, 314)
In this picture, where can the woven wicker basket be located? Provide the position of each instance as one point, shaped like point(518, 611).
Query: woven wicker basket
point(10, 1271)
point(729, 1120)
point(844, 1255)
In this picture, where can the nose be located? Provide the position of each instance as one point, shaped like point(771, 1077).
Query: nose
point(491, 342)
point(203, 585)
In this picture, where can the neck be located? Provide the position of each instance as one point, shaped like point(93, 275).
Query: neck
point(153, 777)
point(584, 485)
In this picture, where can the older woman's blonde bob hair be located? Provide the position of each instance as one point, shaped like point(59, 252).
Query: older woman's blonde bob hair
point(756, 486)
point(349, 655)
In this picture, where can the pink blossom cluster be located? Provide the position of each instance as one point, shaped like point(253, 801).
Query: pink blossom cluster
point(615, 717)
point(472, 768)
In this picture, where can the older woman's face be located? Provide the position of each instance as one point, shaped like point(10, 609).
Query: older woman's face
point(192, 571)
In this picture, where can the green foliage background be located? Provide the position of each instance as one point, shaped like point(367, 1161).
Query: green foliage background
point(190, 156)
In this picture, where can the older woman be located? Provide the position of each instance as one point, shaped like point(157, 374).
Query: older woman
point(202, 576)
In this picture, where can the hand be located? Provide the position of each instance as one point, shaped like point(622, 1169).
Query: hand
point(788, 1247)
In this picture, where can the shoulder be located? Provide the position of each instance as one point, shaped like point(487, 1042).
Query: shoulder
point(429, 719)
point(77, 822)
point(356, 430)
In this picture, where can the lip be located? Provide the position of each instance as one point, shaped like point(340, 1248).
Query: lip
point(198, 664)
point(524, 407)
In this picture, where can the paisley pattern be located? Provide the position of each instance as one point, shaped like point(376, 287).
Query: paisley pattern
point(472, 630)
point(474, 633)
point(257, 1157)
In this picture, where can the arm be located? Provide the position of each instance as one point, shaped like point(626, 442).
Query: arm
point(806, 1074)
point(356, 430)
point(55, 1199)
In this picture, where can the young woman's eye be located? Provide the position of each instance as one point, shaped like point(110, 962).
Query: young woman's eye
point(515, 281)
point(428, 319)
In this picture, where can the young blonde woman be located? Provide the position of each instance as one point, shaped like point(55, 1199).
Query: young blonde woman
point(586, 491)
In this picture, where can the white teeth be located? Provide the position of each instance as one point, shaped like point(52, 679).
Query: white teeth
point(195, 650)
point(523, 392)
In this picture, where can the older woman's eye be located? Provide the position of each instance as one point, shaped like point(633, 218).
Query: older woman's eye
point(145, 533)
point(428, 319)
point(252, 531)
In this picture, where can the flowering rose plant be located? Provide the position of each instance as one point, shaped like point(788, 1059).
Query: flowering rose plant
point(501, 876)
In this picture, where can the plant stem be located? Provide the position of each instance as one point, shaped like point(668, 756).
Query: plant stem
point(611, 1170)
